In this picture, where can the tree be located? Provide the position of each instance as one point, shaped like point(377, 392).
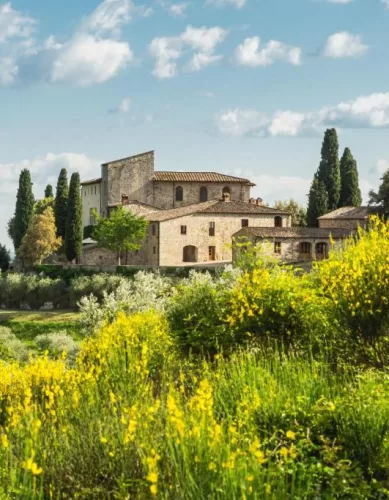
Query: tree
point(73, 230)
point(49, 191)
point(329, 168)
point(317, 202)
point(382, 197)
point(41, 205)
point(11, 229)
point(350, 194)
point(41, 240)
point(5, 258)
point(61, 203)
point(121, 231)
point(299, 213)
point(24, 208)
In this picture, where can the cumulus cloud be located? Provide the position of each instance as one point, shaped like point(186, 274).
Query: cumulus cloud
point(44, 170)
point(178, 9)
point(250, 53)
point(344, 44)
point(224, 3)
point(370, 111)
point(13, 24)
point(202, 41)
point(8, 71)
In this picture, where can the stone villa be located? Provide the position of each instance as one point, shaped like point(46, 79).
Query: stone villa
point(195, 216)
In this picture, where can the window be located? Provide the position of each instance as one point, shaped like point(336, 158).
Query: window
point(226, 190)
point(211, 229)
point(277, 247)
point(179, 193)
point(153, 230)
point(245, 222)
point(154, 250)
point(95, 189)
point(203, 194)
point(277, 221)
point(183, 229)
point(305, 248)
point(212, 253)
point(92, 220)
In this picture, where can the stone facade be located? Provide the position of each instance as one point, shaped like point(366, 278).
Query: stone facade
point(91, 200)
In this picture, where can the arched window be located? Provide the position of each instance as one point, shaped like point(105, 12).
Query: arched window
point(321, 250)
point(179, 193)
point(305, 249)
point(277, 221)
point(226, 190)
point(203, 194)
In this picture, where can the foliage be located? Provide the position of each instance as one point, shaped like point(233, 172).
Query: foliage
point(382, 197)
point(5, 258)
point(24, 209)
point(42, 205)
point(11, 348)
point(121, 231)
point(11, 229)
point(329, 168)
point(299, 213)
point(88, 231)
point(356, 280)
point(350, 194)
point(317, 202)
point(49, 193)
point(40, 241)
point(57, 343)
point(61, 203)
point(73, 233)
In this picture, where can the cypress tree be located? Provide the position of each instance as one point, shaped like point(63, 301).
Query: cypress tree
point(24, 208)
point(350, 194)
point(382, 197)
point(317, 201)
point(329, 168)
point(61, 203)
point(73, 233)
point(49, 191)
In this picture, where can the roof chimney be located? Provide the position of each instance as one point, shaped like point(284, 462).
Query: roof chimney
point(125, 199)
point(252, 201)
point(259, 202)
point(226, 197)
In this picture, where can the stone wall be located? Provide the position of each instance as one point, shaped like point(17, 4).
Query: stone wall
point(131, 177)
point(172, 242)
point(91, 198)
point(164, 193)
point(341, 223)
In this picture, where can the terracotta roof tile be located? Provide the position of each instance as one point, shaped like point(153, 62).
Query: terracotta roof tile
point(91, 181)
point(353, 213)
point(198, 177)
point(296, 232)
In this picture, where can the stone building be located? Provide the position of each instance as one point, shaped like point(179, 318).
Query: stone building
point(348, 217)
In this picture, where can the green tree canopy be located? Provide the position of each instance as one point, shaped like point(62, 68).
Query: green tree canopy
point(382, 197)
point(5, 258)
point(317, 202)
point(73, 232)
point(61, 203)
point(121, 231)
point(49, 191)
point(41, 240)
point(41, 205)
point(299, 213)
point(350, 194)
point(24, 208)
point(329, 168)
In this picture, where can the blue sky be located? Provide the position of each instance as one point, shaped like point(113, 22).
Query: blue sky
point(245, 87)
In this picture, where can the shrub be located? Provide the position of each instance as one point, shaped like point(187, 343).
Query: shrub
point(57, 343)
point(11, 348)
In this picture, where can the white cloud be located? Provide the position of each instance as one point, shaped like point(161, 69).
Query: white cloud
point(249, 53)
point(44, 170)
point(110, 16)
point(123, 107)
point(13, 24)
point(167, 50)
point(272, 188)
point(370, 111)
point(178, 9)
point(86, 60)
point(381, 167)
point(223, 3)
point(340, 1)
point(344, 44)
point(8, 71)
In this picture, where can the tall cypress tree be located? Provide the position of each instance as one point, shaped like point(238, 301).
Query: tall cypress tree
point(317, 201)
point(61, 203)
point(24, 208)
point(49, 191)
point(350, 194)
point(73, 233)
point(329, 168)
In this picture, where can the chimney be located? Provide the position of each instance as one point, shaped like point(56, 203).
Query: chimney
point(226, 197)
point(125, 199)
point(252, 201)
point(259, 202)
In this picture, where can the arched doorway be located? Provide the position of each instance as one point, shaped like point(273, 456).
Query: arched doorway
point(305, 250)
point(321, 250)
point(189, 254)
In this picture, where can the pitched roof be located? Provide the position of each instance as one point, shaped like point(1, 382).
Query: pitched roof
point(127, 158)
point(137, 203)
point(214, 207)
point(199, 177)
point(353, 213)
point(91, 181)
point(296, 232)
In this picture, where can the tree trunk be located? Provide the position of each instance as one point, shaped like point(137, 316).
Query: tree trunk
point(119, 259)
